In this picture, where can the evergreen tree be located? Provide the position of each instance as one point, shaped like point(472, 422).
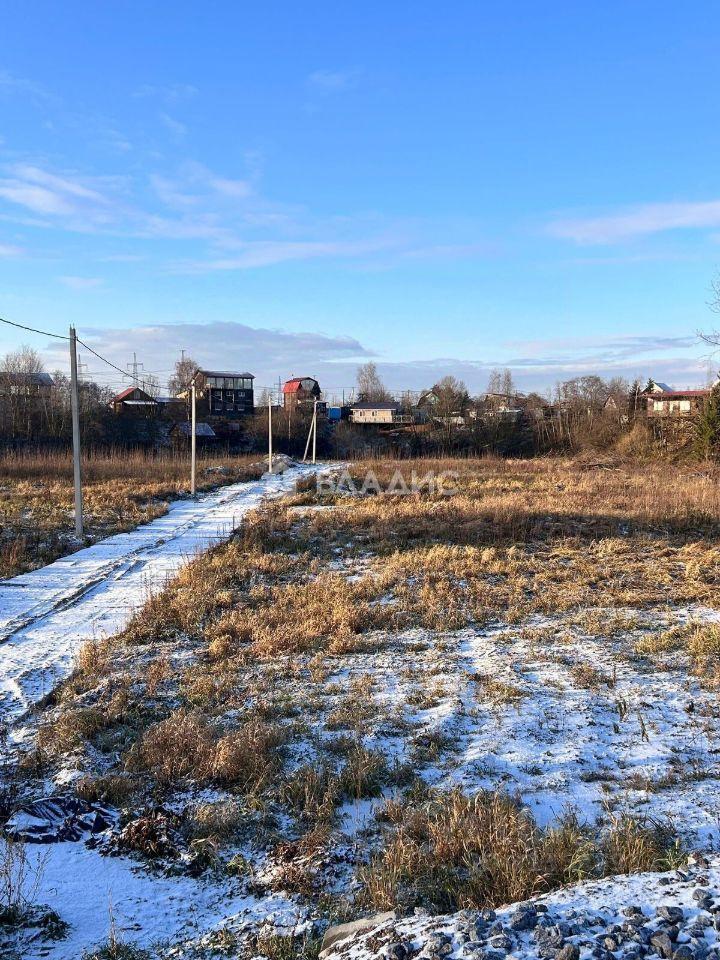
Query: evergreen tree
point(708, 428)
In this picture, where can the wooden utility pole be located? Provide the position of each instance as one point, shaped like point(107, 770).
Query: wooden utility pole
point(192, 438)
point(270, 465)
point(75, 407)
point(314, 429)
point(312, 435)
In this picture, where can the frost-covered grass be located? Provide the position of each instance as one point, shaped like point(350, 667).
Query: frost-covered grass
point(121, 490)
point(390, 701)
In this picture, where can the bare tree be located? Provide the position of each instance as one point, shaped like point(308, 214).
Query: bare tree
point(24, 406)
point(370, 386)
point(184, 371)
point(151, 385)
point(449, 409)
point(713, 338)
point(501, 381)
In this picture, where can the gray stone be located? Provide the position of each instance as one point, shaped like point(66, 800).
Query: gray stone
point(501, 942)
point(436, 941)
point(343, 931)
point(684, 952)
point(524, 918)
point(396, 951)
point(671, 914)
point(663, 945)
point(569, 952)
point(551, 935)
point(547, 951)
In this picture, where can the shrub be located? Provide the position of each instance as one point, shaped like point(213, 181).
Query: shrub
point(186, 746)
point(456, 851)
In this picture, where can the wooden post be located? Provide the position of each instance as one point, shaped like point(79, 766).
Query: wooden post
point(314, 429)
point(193, 445)
point(270, 463)
point(75, 408)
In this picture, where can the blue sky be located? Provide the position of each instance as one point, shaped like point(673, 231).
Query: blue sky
point(296, 188)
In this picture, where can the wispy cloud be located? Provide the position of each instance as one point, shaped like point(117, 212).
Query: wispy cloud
point(638, 221)
point(602, 350)
point(266, 352)
point(8, 251)
point(223, 217)
point(9, 84)
point(265, 253)
point(51, 194)
point(330, 81)
point(171, 92)
point(194, 184)
point(81, 283)
point(176, 127)
point(239, 189)
point(273, 352)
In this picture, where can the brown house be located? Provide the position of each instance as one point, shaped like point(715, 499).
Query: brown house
point(661, 401)
point(134, 402)
point(300, 391)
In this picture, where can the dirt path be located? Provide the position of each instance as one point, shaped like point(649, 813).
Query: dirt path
point(47, 614)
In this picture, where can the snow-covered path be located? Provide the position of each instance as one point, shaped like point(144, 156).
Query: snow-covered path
point(46, 615)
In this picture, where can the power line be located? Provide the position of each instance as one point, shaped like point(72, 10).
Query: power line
point(59, 336)
point(44, 333)
point(104, 359)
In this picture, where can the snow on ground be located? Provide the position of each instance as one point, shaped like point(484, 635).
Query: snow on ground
point(560, 711)
point(90, 891)
point(47, 614)
point(569, 719)
point(607, 919)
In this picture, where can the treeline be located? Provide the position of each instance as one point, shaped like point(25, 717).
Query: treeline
point(582, 413)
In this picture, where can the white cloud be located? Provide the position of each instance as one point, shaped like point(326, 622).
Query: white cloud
point(38, 190)
point(267, 353)
point(225, 218)
point(8, 250)
point(81, 283)
point(176, 128)
point(265, 253)
point(329, 81)
point(638, 221)
point(171, 92)
point(9, 83)
point(272, 353)
point(231, 188)
point(35, 198)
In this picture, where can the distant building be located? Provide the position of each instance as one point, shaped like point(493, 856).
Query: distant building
point(378, 413)
point(182, 432)
point(223, 395)
point(610, 405)
point(657, 386)
point(134, 402)
point(675, 403)
point(300, 391)
point(26, 384)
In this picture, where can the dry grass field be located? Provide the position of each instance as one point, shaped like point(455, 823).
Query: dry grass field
point(400, 701)
point(121, 490)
